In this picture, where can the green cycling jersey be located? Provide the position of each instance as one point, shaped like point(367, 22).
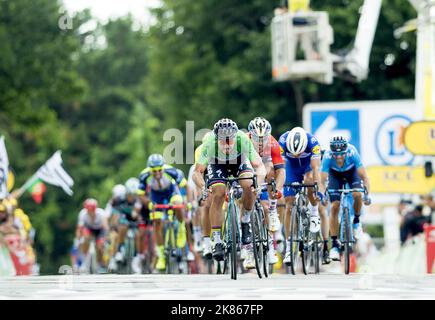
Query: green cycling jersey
point(243, 150)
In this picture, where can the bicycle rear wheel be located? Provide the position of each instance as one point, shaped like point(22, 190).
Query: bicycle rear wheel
point(346, 241)
point(265, 244)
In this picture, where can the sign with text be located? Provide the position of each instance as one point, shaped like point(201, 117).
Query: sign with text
point(420, 138)
point(399, 179)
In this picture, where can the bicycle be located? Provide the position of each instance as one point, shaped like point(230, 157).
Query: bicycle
point(172, 253)
point(299, 226)
point(231, 232)
point(129, 248)
point(347, 239)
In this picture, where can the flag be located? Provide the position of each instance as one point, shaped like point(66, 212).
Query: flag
point(4, 169)
point(37, 190)
point(53, 173)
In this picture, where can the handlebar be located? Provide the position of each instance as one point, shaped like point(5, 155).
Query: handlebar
point(272, 183)
point(346, 191)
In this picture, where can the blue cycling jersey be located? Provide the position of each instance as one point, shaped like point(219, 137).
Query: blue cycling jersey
point(352, 160)
point(312, 151)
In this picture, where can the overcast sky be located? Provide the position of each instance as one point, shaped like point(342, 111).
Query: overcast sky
point(105, 9)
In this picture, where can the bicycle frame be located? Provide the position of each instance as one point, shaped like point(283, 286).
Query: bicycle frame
point(345, 204)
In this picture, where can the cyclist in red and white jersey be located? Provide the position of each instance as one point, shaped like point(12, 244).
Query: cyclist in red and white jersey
point(270, 152)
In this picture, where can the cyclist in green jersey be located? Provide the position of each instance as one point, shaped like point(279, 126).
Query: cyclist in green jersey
point(229, 152)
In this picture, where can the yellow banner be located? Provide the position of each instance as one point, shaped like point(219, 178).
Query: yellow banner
point(399, 179)
point(420, 138)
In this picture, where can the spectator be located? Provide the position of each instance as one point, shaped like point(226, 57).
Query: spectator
point(413, 223)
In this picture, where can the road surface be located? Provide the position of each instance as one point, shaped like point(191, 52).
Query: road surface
point(219, 287)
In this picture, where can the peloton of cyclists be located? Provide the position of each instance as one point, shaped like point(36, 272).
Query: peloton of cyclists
point(227, 151)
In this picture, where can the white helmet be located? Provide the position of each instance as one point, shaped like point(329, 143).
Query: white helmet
point(119, 191)
point(132, 185)
point(297, 141)
point(259, 128)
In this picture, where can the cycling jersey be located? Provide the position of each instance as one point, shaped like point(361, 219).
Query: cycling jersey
point(170, 177)
point(346, 174)
point(351, 160)
point(242, 152)
point(86, 221)
point(269, 152)
point(198, 151)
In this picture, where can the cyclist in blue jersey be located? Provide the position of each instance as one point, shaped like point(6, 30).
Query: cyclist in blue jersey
point(342, 164)
point(160, 184)
point(301, 152)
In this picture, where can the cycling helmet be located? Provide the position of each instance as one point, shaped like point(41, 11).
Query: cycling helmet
point(119, 191)
point(259, 128)
point(131, 186)
point(297, 141)
point(338, 144)
point(90, 204)
point(155, 160)
point(225, 129)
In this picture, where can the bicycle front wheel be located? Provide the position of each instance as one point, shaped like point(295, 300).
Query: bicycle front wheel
point(294, 241)
point(256, 242)
point(232, 211)
point(346, 240)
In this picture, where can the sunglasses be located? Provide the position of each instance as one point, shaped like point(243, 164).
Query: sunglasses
point(339, 154)
point(156, 169)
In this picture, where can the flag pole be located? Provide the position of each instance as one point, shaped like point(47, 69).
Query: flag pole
point(19, 192)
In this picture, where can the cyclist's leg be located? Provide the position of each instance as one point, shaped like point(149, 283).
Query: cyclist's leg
point(177, 199)
point(122, 232)
point(100, 238)
point(355, 182)
point(313, 203)
point(291, 175)
point(217, 171)
point(334, 182)
point(206, 227)
point(87, 235)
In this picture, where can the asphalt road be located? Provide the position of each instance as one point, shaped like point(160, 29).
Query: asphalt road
point(219, 287)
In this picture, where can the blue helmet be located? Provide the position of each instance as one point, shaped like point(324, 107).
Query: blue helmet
point(155, 160)
point(338, 144)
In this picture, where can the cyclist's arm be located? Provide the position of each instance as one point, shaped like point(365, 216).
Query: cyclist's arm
point(315, 165)
point(198, 175)
point(106, 224)
point(260, 170)
point(363, 175)
point(278, 165)
point(323, 178)
point(280, 179)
